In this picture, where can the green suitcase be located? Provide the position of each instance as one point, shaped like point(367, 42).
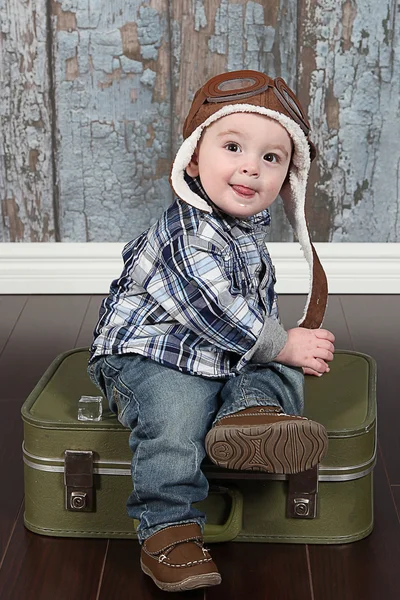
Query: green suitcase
point(77, 473)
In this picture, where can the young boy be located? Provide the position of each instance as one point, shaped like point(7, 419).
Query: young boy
point(189, 348)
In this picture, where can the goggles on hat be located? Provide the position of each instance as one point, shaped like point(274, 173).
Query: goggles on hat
point(239, 85)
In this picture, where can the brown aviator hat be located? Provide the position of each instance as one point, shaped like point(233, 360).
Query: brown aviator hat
point(251, 91)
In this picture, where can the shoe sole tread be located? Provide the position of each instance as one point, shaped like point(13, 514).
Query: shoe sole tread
point(284, 448)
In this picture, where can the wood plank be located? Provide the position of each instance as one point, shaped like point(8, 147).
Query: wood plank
point(122, 575)
point(10, 310)
point(11, 470)
point(337, 571)
point(215, 36)
point(26, 155)
point(42, 567)
point(36, 566)
point(367, 569)
point(396, 498)
point(375, 329)
point(47, 326)
point(373, 322)
point(85, 336)
point(112, 99)
point(260, 572)
point(349, 60)
point(252, 579)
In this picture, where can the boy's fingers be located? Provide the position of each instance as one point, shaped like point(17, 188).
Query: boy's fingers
point(325, 334)
point(308, 371)
point(323, 365)
point(318, 365)
point(327, 345)
point(324, 354)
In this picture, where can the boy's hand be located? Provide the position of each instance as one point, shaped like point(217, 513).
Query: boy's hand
point(310, 349)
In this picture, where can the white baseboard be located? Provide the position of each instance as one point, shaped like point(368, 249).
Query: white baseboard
point(69, 268)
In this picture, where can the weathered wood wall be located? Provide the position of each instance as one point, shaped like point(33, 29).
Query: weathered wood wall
point(26, 144)
point(93, 95)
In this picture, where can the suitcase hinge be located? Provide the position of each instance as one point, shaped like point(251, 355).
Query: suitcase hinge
point(302, 495)
point(78, 480)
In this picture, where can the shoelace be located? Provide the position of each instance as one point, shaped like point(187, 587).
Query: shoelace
point(162, 554)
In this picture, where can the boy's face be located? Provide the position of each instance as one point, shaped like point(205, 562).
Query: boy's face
point(242, 160)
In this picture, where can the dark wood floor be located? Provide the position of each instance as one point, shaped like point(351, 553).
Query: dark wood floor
point(34, 329)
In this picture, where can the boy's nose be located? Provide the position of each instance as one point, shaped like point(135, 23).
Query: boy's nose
point(250, 168)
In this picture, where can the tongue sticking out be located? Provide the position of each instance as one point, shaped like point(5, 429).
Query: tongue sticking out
point(243, 190)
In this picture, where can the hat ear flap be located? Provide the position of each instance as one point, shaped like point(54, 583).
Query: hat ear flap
point(293, 196)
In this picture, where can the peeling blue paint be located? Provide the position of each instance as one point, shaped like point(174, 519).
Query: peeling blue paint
point(113, 107)
point(148, 78)
point(108, 179)
point(235, 37)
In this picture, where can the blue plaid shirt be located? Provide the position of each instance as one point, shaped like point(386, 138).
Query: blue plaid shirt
point(194, 293)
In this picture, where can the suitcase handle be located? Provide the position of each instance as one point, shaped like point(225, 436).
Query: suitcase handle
point(233, 525)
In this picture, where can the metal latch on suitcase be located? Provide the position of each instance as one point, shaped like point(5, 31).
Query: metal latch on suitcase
point(302, 494)
point(78, 480)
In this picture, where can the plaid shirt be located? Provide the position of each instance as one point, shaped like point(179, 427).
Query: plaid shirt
point(194, 293)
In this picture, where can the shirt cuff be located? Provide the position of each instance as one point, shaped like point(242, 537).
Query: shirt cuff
point(271, 341)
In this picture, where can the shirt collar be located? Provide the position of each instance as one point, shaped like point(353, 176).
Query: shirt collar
point(262, 219)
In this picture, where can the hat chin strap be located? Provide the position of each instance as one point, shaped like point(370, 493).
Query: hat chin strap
point(293, 197)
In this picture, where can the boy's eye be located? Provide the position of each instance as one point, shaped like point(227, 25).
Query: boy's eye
point(232, 147)
point(271, 157)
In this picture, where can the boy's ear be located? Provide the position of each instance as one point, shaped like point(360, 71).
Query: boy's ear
point(193, 167)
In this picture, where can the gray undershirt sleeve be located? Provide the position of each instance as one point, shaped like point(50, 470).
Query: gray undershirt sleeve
point(270, 342)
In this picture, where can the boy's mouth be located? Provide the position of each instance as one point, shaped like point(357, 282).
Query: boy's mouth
point(243, 191)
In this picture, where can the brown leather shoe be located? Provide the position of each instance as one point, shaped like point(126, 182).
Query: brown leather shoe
point(263, 438)
point(175, 559)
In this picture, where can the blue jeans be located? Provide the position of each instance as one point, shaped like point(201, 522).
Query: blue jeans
point(169, 414)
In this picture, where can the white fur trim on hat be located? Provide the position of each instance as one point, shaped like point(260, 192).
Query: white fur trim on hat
point(294, 203)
